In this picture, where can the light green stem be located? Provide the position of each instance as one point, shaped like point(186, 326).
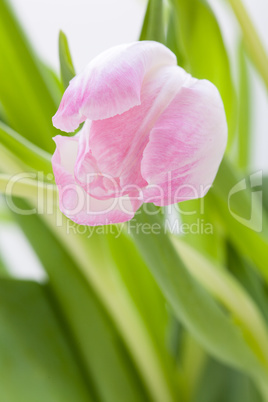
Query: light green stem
point(252, 40)
point(21, 185)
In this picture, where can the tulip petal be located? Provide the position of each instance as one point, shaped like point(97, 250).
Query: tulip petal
point(87, 172)
point(186, 146)
point(110, 84)
point(74, 202)
point(117, 143)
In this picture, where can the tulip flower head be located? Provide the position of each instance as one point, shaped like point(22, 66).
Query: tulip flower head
point(152, 134)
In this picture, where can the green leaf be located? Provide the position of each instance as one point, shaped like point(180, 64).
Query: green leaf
point(36, 360)
point(23, 149)
point(202, 230)
point(140, 284)
point(249, 278)
point(173, 41)
point(24, 94)
point(193, 306)
point(93, 259)
point(106, 363)
point(25, 186)
point(153, 25)
point(220, 383)
point(265, 193)
point(89, 247)
point(3, 269)
point(244, 118)
point(53, 82)
point(66, 64)
point(228, 291)
point(251, 39)
point(191, 365)
point(5, 215)
point(251, 242)
point(200, 43)
point(146, 295)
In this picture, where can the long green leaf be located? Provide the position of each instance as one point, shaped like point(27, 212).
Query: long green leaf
point(252, 40)
point(24, 94)
point(153, 25)
point(147, 296)
point(202, 230)
point(244, 117)
point(250, 241)
point(36, 360)
point(265, 193)
point(173, 41)
point(249, 278)
point(105, 360)
point(3, 270)
point(91, 252)
point(66, 63)
point(220, 383)
point(23, 149)
point(230, 293)
point(201, 45)
point(194, 307)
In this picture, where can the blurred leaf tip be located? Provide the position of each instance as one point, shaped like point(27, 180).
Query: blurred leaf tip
point(66, 63)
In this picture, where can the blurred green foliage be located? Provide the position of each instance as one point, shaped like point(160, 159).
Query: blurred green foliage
point(128, 318)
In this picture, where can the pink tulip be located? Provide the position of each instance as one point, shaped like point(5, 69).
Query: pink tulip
point(152, 133)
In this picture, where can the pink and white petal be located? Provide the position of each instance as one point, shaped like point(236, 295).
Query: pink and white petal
point(186, 146)
point(111, 83)
point(87, 173)
point(74, 202)
point(118, 143)
point(64, 158)
point(93, 212)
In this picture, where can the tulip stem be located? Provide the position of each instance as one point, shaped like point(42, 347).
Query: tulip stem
point(252, 40)
point(21, 185)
